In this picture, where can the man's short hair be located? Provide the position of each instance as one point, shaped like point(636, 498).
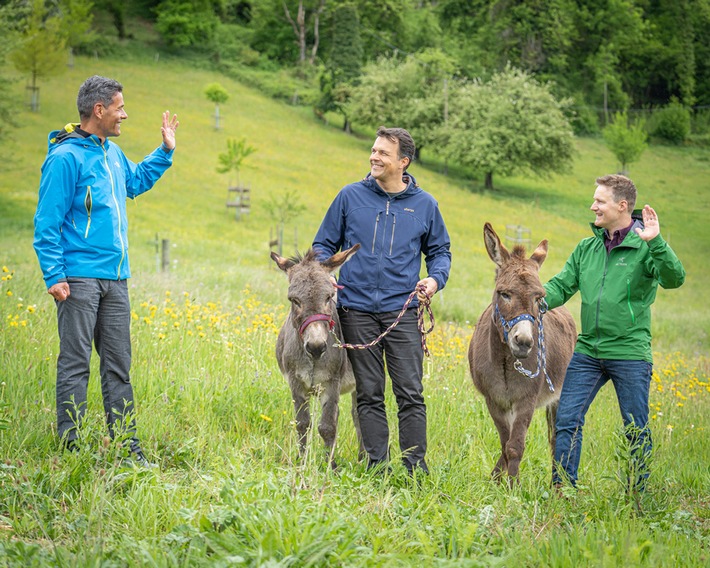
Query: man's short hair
point(622, 188)
point(96, 89)
point(406, 142)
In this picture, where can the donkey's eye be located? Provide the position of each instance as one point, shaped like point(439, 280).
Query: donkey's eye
point(296, 302)
point(505, 296)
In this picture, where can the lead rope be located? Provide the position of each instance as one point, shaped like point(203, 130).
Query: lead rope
point(423, 307)
point(541, 356)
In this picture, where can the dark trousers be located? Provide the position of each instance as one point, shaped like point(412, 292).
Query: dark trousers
point(96, 311)
point(402, 351)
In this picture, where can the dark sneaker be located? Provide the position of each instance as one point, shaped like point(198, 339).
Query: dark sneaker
point(138, 459)
point(71, 446)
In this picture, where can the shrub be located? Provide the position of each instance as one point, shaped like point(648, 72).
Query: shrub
point(626, 141)
point(671, 123)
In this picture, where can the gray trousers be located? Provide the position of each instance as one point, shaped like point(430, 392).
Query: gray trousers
point(96, 311)
point(402, 351)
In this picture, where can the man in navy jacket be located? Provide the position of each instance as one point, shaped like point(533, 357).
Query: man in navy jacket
point(395, 222)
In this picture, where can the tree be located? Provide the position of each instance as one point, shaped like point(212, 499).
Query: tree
point(626, 141)
point(184, 23)
point(300, 28)
point(41, 48)
point(218, 95)
point(408, 93)
point(232, 159)
point(511, 123)
point(342, 71)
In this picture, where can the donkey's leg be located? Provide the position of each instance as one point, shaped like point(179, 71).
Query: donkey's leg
point(303, 419)
point(361, 453)
point(328, 425)
point(515, 447)
point(500, 419)
point(551, 414)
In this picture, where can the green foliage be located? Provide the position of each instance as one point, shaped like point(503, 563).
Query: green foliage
point(186, 24)
point(344, 65)
point(216, 93)
point(511, 123)
point(671, 123)
point(626, 141)
point(285, 207)
point(231, 45)
point(408, 94)
point(233, 158)
point(40, 51)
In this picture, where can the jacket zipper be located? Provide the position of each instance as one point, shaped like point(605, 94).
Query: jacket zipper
point(628, 301)
point(87, 204)
point(394, 225)
point(599, 301)
point(118, 213)
point(374, 236)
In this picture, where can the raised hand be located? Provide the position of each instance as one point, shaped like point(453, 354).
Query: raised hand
point(650, 222)
point(168, 129)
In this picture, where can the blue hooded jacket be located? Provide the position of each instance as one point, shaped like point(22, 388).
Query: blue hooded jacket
point(80, 222)
point(394, 232)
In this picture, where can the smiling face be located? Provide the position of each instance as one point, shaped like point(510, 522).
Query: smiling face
point(610, 214)
point(109, 118)
point(385, 164)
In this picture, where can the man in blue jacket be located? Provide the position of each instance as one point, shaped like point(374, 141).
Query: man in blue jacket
point(395, 222)
point(82, 245)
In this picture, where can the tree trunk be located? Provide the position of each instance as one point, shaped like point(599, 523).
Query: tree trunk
point(489, 180)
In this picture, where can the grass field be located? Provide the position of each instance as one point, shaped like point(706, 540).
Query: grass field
point(216, 415)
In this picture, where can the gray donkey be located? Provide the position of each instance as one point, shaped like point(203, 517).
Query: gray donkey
point(305, 348)
point(509, 330)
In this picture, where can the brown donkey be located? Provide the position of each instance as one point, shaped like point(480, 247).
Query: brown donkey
point(511, 328)
point(305, 348)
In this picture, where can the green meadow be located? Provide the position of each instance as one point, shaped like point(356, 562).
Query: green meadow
point(214, 412)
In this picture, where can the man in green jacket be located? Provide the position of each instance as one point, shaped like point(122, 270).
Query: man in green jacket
point(617, 272)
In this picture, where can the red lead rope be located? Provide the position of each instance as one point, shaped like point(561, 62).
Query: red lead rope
point(424, 306)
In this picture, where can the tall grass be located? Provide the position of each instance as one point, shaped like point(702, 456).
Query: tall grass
point(214, 412)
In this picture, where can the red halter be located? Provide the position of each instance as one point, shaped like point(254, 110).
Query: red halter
point(316, 317)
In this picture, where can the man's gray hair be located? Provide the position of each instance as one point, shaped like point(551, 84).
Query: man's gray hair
point(94, 90)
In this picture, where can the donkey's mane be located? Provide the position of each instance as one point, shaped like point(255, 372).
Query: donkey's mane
point(309, 255)
point(519, 252)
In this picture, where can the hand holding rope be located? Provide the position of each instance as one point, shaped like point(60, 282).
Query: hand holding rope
point(424, 306)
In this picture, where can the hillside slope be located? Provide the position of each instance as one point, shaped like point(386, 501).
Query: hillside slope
point(217, 256)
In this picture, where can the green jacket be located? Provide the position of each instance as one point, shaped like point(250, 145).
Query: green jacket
point(617, 290)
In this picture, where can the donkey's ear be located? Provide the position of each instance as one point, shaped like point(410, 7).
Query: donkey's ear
point(498, 253)
point(340, 258)
point(283, 263)
point(540, 253)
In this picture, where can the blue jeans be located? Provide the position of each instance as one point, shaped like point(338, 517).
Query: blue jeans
point(585, 376)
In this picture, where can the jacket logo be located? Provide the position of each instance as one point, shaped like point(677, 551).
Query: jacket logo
point(622, 261)
point(409, 210)
point(117, 165)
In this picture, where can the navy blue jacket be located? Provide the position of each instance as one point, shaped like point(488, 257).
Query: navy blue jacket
point(394, 232)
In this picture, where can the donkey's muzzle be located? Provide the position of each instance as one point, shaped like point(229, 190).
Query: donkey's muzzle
point(316, 349)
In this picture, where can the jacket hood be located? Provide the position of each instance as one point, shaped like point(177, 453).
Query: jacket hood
point(411, 189)
point(68, 133)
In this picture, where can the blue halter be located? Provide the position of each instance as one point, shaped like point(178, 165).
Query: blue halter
point(508, 325)
point(541, 355)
